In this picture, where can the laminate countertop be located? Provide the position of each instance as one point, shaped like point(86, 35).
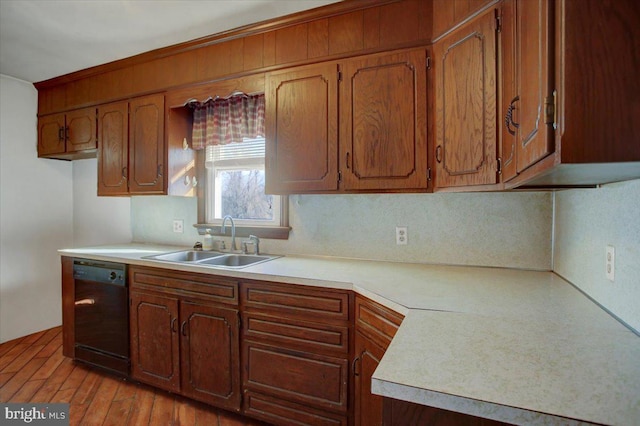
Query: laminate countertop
point(523, 347)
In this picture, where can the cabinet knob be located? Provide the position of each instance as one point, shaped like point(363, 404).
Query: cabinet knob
point(174, 321)
point(194, 182)
point(187, 181)
point(185, 144)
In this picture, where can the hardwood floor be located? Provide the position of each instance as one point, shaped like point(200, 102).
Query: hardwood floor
point(32, 369)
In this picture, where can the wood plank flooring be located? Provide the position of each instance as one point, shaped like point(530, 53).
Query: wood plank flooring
point(33, 369)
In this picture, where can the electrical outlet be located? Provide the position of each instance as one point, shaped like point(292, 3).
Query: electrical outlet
point(178, 226)
point(611, 263)
point(401, 235)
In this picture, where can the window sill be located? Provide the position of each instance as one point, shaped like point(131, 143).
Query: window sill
point(267, 232)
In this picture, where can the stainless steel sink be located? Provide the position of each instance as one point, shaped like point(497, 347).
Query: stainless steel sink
point(236, 260)
point(185, 256)
point(212, 258)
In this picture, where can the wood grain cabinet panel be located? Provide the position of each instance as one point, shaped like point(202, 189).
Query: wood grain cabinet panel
point(465, 98)
point(296, 301)
point(383, 132)
point(68, 136)
point(210, 354)
point(382, 125)
point(527, 45)
point(184, 341)
point(368, 407)
point(113, 153)
point(587, 129)
point(299, 335)
point(311, 379)
point(282, 412)
point(51, 135)
point(301, 130)
point(375, 327)
point(155, 356)
point(146, 145)
point(131, 154)
point(402, 413)
point(295, 353)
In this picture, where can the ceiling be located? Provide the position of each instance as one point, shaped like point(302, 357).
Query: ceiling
point(42, 39)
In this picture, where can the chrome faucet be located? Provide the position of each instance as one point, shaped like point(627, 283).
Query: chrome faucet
point(253, 240)
point(223, 229)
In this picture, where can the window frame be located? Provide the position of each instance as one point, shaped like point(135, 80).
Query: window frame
point(278, 232)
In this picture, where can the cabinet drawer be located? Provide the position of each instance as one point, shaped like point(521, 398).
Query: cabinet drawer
point(293, 300)
point(282, 412)
point(376, 321)
point(316, 380)
point(185, 284)
point(307, 336)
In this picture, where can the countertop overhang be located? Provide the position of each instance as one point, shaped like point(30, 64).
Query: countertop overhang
point(523, 347)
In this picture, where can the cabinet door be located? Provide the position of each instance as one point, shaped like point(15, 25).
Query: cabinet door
point(210, 354)
point(465, 93)
point(146, 145)
point(534, 138)
point(368, 407)
point(155, 356)
point(113, 155)
point(80, 131)
point(51, 135)
point(384, 122)
point(301, 130)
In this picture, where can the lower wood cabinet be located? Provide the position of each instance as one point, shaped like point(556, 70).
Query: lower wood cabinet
point(375, 327)
point(183, 341)
point(295, 353)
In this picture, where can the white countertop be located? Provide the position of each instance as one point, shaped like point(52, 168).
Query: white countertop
point(523, 347)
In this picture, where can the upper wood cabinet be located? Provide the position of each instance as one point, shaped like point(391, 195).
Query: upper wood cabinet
point(146, 144)
point(465, 84)
point(383, 106)
point(527, 84)
point(69, 135)
point(301, 121)
point(131, 154)
point(380, 117)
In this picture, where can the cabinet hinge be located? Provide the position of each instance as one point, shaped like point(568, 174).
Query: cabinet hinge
point(239, 321)
point(498, 21)
point(339, 176)
point(499, 166)
point(429, 173)
point(551, 109)
point(339, 75)
point(428, 62)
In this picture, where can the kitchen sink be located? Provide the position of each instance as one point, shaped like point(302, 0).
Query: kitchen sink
point(185, 256)
point(235, 260)
point(212, 258)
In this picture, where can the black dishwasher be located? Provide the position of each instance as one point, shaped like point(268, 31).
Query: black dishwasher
point(101, 314)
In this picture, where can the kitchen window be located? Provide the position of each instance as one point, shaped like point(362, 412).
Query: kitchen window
point(235, 185)
point(229, 134)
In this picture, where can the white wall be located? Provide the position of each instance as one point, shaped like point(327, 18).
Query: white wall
point(586, 221)
point(36, 214)
point(97, 220)
point(488, 229)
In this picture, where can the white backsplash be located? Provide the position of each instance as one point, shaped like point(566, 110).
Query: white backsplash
point(487, 229)
point(588, 220)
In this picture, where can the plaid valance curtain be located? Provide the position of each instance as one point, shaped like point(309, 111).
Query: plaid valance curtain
point(222, 121)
